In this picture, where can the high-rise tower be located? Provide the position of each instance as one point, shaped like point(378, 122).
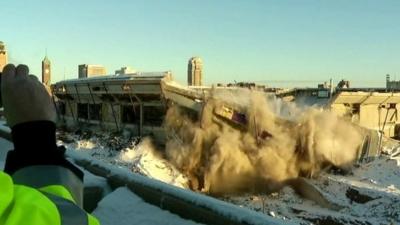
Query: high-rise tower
point(3, 56)
point(46, 71)
point(86, 71)
point(195, 71)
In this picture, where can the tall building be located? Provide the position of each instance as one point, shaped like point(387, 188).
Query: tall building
point(46, 71)
point(195, 71)
point(3, 56)
point(86, 70)
point(392, 84)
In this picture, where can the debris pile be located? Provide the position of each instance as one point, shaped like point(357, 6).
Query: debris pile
point(256, 151)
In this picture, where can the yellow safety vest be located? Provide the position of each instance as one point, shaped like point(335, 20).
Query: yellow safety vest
point(45, 205)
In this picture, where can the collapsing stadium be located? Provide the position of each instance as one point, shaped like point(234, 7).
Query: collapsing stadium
point(139, 102)
point(195, 119)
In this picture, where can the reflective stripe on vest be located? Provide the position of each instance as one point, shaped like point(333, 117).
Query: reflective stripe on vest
point(44, 175)
point(70, 213)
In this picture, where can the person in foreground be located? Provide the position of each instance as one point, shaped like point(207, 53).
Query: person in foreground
point(38, 185)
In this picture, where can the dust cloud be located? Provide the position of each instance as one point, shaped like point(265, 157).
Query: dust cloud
point(277, 142)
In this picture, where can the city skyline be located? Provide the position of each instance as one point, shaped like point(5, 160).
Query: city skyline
point(263, 41)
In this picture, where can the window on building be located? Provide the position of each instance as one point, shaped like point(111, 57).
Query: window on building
point(153, 115)
point(82, 111)
point(355, 109)
point(61, 108)
point(130, 114)
point(95, 111)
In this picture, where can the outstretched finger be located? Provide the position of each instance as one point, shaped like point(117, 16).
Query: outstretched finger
point(22, 70)
point(8, 73)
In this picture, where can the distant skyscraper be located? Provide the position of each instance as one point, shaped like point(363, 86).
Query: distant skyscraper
point(46, 71)
point(86, 70)
point(392, 84)
point(3, 56)
point(387, 80)
point(195, 71)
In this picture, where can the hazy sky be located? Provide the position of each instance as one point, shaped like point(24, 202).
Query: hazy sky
point(285, 42)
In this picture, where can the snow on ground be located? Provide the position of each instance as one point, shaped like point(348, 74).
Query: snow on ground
point(122, 207)
point(142, 158)
point(370, 194)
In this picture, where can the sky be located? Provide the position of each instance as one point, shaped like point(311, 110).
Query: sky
point(278, 43)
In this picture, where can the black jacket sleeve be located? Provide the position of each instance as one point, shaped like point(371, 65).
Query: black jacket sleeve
point(35, 144)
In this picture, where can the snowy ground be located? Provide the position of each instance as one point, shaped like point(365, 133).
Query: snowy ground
point(122, 207)
point(369, 195)
point(142, 158)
